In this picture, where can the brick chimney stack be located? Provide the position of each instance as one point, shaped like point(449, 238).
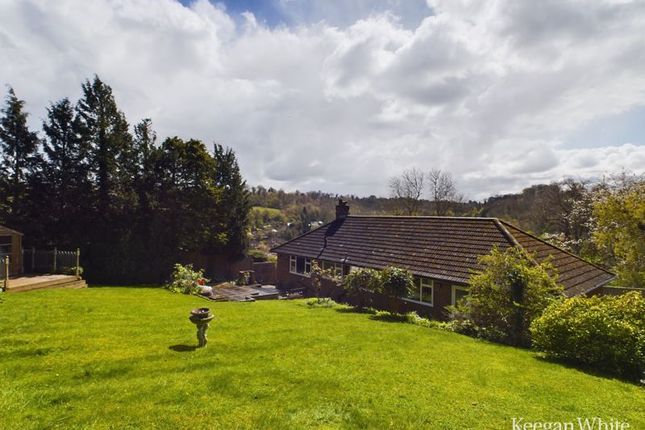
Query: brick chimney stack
point(342, 209)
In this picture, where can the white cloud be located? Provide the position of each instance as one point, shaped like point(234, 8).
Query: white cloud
point(488, 90)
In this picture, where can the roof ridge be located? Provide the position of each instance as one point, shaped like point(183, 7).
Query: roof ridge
point(556, 247)
point(301, 235)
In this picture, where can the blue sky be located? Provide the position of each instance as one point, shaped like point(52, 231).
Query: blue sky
point(340, 95)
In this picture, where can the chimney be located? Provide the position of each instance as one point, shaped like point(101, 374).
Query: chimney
point(342, 209)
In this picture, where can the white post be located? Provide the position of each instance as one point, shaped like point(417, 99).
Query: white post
point(78, 263)
point(6, 273)
point(55, 254)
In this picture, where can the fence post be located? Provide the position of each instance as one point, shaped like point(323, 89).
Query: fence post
point(78, 262)
point(5, 275)
point(55, 254)
point(33, 259)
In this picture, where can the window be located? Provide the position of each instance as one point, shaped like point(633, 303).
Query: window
point(300, 265)
point(5, 244)
point(337, 268)
point(458, 293)
point(423, 290)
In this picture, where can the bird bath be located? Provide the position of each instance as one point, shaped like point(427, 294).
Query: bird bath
point(201, 317)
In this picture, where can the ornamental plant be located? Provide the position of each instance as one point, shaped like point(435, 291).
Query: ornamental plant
point(396, 282)
point(359, 284)
point(186, 280)
point(509, 292)
point(604, 332)
point(317, 274)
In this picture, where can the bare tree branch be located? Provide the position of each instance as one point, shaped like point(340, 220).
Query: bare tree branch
point(443, 191)
point(408, 189)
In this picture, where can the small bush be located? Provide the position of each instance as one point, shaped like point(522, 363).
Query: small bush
point(258, 255)
point(186, 280)
point(604, 332)
point(357, 282)
point(396, 282)
point(244, 278)
point(321, 302)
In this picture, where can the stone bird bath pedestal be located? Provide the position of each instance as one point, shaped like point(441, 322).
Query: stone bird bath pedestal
point(201, 317)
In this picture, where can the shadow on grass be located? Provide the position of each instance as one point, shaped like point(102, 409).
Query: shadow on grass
point(182, 348)
point(353, 310)
point(590, 370)
point(387, 317)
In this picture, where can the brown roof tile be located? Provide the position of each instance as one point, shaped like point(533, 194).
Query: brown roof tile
point(444, 248)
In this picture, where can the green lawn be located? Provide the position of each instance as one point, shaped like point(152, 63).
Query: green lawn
point(117, 358)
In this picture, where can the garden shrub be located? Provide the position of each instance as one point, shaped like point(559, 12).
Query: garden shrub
point(396, 282)
point(605, 332)
point(359, 281)
point(321, 302)
point(186, 280)
point(505, 296)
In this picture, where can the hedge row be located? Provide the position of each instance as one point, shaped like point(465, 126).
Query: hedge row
point(604, 332)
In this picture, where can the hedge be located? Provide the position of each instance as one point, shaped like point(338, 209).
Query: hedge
point(604, 332)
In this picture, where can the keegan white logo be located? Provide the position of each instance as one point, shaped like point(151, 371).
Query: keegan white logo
point(594, 423)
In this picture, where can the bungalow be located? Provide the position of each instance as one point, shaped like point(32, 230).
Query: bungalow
point(11, 245)
point(441, 253)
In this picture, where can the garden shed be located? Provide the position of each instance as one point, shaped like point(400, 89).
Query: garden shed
point(11, 245)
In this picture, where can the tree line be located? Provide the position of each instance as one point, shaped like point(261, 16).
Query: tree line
point(133, 206)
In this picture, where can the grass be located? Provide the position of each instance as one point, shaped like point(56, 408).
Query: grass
point(123, 358)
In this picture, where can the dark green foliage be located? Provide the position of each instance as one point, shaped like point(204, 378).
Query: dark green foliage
point(66, 178)
point(505, 296)
point(396, 282)
point(234, 205)
point(134, 208)
point(605, 332)
point(19, 165)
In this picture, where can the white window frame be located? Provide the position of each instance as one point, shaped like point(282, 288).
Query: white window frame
point(428, 284)
point(454, 289)
point(293, 266)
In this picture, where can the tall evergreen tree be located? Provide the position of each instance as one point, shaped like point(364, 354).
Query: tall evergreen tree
point(235, 203)
point(145, 155)
point(65, 173)
point(19, 164)
point(104, 127)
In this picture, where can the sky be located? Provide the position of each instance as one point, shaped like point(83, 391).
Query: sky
point(340, 95)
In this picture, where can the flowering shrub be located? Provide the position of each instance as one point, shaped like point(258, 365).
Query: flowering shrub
point(186, 280)
point(605, 332)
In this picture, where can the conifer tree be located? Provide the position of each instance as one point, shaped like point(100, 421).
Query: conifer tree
point(235, 204)
point(19, 164)
point(104, 128)
point(65, 173)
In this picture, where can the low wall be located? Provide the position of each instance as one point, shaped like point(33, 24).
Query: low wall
point(219, 267)
point(265, 272)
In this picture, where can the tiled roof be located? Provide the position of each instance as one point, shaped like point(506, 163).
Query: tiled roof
point(7, 230)
point(575, 274)
point(443, 248)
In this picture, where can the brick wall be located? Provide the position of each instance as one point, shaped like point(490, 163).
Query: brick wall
point(265, 272)
point(286, 280)
point(442, 293)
